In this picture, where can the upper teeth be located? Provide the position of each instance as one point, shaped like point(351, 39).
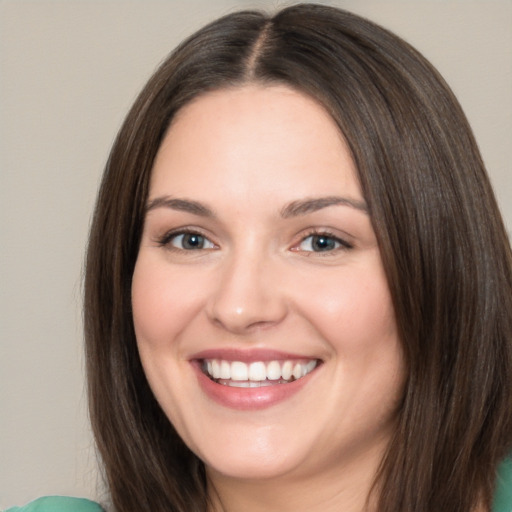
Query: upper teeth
point(258, 370)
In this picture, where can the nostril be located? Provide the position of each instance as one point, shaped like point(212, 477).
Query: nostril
point(240, 326)
point(256, 314)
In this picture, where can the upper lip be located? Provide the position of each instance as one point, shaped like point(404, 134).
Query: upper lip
point(248, 355)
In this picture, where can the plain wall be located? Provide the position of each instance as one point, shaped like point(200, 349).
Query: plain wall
point(69, 71)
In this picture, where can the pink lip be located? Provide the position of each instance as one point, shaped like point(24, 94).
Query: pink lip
point(247, 398)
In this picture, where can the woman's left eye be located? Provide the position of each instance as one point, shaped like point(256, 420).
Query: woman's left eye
point(322, 243)
point(190, 242)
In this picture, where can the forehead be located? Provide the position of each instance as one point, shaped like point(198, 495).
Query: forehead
point(257, 136)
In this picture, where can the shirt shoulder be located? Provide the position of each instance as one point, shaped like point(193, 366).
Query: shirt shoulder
point(58, 504)
point(503, 496)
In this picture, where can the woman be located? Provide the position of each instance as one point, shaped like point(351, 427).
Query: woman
point(298, 286)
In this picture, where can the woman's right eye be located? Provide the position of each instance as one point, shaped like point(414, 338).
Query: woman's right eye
point(188, 241)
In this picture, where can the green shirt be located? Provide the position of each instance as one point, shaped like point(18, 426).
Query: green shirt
point(503, 496)
point(58, 504)
point(502, 499)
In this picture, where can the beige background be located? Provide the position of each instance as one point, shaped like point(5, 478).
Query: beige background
point(68, 73)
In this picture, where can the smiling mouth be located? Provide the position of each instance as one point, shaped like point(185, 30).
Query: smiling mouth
point(258, 373)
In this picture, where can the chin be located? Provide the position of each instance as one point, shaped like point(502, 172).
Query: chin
point(252, 457)
point(264, 468)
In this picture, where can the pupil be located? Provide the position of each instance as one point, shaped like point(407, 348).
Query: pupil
point(192, 241)
point(322, 243)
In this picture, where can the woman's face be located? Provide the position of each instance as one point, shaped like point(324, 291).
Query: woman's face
point(262, 314)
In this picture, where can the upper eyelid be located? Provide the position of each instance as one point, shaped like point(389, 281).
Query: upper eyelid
point(344, 237)
point(327, 235)
point(167, 236)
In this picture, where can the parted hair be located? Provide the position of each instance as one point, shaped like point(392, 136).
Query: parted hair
point(443, 244)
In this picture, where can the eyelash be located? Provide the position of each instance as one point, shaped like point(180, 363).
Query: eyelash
point(165, 240)
point(342, 245)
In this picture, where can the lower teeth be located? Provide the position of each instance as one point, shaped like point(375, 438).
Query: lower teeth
point(250, 383)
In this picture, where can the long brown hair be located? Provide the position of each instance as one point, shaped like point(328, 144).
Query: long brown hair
point(442, 241)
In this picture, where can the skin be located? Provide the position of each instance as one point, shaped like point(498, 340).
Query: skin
point(246, 154)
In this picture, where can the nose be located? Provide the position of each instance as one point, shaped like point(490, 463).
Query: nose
point(248, 294)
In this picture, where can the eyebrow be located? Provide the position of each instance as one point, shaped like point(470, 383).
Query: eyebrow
point(183, 205)
point(305, 206)
point(293, 209)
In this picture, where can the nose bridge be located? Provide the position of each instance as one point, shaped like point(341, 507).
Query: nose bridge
point(248, 291)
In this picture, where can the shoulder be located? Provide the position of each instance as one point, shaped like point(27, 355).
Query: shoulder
point(503, 497)
point(58, 504)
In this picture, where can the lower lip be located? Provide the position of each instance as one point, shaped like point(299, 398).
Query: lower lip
point(248, 398)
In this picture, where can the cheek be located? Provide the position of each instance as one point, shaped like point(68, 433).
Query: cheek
point(353, 311)
point(162, 302)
